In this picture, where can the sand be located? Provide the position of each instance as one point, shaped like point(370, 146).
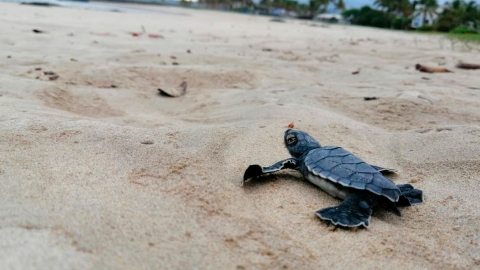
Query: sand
point(97, 171)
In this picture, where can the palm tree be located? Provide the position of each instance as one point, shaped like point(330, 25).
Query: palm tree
point(472, 13)
point(291, 5)
point(404, 7)
point(427, 8)
point(459, 13)
point(340, 5)
point(387, 5)
point(318, 6)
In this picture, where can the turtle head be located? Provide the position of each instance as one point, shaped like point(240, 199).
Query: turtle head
point(299, 142)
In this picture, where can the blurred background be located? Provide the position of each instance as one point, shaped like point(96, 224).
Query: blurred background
point(457, 17)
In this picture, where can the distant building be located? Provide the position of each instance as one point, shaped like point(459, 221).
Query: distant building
point(326, 17)
point(279, 12)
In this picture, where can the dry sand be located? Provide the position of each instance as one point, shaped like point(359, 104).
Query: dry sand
point(95, 176)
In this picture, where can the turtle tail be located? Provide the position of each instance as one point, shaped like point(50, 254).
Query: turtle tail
point(410, 196)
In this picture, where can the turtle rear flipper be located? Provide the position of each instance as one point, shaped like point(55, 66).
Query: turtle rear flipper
point(354, 211)
point(410, 196)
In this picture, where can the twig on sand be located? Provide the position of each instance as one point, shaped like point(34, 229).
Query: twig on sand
point(428, 69)
point(468, 66)
point(155, 36)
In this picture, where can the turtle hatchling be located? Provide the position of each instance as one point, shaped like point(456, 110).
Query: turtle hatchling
point(341, 174)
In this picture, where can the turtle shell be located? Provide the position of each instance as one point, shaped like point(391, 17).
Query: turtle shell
point(340, 166)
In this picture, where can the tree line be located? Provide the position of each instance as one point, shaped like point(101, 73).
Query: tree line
point(458, 15)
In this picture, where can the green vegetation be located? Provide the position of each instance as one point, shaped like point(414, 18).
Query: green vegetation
point(459, 13)
point(367, 16)
point(465, 37)
point(426, 28)
point(463, 30)
point(458, 17)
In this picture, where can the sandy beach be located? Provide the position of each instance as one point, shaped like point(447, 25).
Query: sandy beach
point(98, 171)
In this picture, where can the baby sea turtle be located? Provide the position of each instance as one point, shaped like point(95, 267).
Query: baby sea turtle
point(343, 175)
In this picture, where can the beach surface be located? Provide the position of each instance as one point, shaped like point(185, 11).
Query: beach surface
point(98, 171)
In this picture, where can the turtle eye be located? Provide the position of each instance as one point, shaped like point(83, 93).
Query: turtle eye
point(291, 139)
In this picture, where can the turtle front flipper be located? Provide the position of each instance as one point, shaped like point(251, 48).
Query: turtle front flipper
point(410, 196)
point(257, 170)
point(354, 211)
point(383, 170)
